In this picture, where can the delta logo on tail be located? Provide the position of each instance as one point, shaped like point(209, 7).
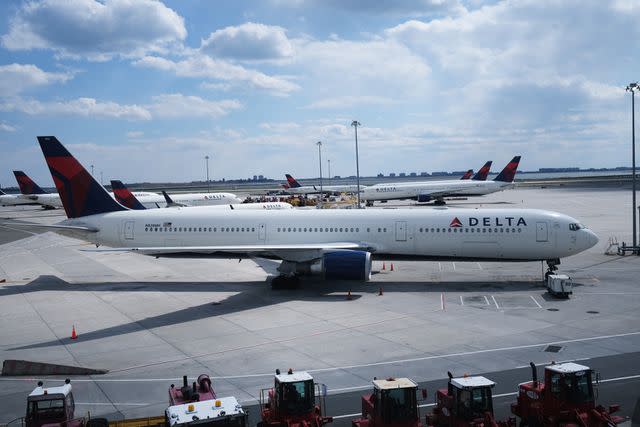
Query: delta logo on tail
point(467, 174)
point(26, 184)
point(292, 181)
point(80, 193)
point(455, 223)
point(509, 172)
point(124, 196)
point(483, 172)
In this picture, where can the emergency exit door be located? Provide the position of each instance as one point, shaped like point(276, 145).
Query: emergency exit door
point(542, 232)
point(401, 231)
point(128, 230)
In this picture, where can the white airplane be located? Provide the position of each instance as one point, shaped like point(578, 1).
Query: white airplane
point(14, 200)
point(294, 187)
point(154, 200)
point(338, 244)
point(128, 199)
point(425, 191)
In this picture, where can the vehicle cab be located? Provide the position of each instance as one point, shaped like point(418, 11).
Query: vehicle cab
point(569, 384)
point(395, 401)
point(51, 406)
point(294, 393)
point(471, 397)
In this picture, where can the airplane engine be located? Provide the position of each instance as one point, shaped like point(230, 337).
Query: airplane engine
point(344, 265)
point(422, 198)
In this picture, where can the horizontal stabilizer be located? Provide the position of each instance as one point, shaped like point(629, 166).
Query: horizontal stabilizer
point(52, 227)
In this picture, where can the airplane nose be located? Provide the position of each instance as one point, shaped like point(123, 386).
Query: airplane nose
point(591, 238)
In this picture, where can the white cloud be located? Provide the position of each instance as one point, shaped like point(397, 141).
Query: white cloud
point(16, 78)
point(6, 127)
point(382, 7)
point(201, 66)
point(249, 41)
point(93, 29)
point(349, 101)
point(86, 107)
point(135, 134)
point(162, 106)
point(178, 105)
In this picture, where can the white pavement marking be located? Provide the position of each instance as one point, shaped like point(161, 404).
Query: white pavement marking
point(364, 365)
point(454, 266)
point(479, 266)
point(461, 300)
point(487, 300)
point(495, 302)
point(534, 300)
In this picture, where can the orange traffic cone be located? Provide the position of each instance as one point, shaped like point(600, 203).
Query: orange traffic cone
point(384, 266)
point(349, 297)
point(74, 336)
point(391, 269)
point(380, 292)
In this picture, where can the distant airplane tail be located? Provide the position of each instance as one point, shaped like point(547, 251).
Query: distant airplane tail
point(509, 172)
point(170, 202)
point(483, 172)
point(124, 196)
point(292, 181)
point(467, 174)
point(80, 193)
point(26, 184)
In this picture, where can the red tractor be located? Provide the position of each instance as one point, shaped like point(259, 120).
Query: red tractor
point(393, 403)
point(565, 398)
point(295, 400)
point(466, 402)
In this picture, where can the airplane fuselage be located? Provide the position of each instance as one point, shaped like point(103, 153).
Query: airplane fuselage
point(435, 189)
point(447, 233)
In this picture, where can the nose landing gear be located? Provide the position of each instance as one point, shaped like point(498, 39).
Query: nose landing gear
point(552, 265)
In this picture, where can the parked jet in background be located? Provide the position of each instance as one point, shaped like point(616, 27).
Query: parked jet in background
point(426, 191)
point(468, 174)
point(14, 200)
point(32, 191)
point(337, 243)
point(129, 200)
point(294, 187)
point(483, 173)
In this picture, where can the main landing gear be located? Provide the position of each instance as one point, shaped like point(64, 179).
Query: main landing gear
point(439, 202)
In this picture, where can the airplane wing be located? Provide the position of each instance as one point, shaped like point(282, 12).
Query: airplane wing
point(53, 227)
point(292, 252)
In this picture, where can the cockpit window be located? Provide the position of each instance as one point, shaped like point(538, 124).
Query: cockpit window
point(575, 226)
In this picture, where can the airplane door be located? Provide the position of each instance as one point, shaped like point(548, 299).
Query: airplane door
point(128, 230)
point(542, 232)
point(401, 231)
point(262, 232)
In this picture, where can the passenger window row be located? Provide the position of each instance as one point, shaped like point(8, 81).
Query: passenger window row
point(470, 230)
point(200, 229)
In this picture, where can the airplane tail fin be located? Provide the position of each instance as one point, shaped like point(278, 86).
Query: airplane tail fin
point(483, 172)
point(467, 174)
point(124, 196)
point(80, 193)
point(509, 172)
point(26, 184)
point(292, 181)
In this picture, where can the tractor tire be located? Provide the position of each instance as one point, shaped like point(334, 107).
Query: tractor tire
point(98, 422)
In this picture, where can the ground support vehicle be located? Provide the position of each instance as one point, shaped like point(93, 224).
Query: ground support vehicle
point(559, 285)
point(565, 398)
point(393, 403)
point(466, 402)
point(295, 400)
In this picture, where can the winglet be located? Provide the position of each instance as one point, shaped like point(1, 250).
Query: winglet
point(170, 202)
point(26, 184)
point(124, 196)
point(508, 174)
point(467, 174)
point(80, 193)
point(483, 172)
point(292, 181)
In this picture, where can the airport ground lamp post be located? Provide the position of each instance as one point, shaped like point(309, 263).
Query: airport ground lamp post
point(355, 124)
point(329, 169)
point(206, 159)
point(632, 87)
point(319, 144)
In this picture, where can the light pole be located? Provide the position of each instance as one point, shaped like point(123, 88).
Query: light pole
point(206, 159)
point(91, 170)
point(319, 144)
point(632, 87)
point(329, 169)
point(101, 178)
point(355, 124)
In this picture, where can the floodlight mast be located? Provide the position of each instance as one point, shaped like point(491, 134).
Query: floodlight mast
point(632, 87)
point(355, 124)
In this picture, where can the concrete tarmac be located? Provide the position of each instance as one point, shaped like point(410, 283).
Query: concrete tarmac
point(149, 321)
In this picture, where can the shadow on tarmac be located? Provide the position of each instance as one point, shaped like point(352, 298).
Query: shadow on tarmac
point(249, 295)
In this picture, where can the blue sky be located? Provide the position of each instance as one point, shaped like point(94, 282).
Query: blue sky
point(144, 89)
